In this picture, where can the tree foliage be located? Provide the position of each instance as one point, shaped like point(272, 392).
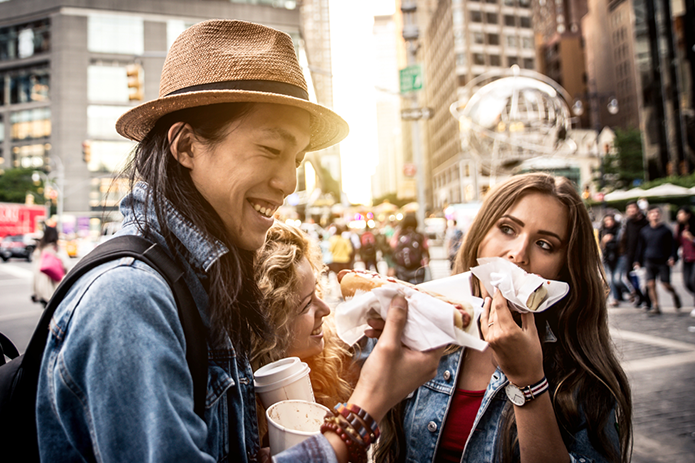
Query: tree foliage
point(16, 183)
point(624, 168)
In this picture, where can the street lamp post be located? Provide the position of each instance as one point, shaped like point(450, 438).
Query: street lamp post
point(612, 108)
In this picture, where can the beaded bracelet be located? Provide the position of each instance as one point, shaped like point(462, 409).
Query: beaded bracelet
point(366, 417)
point(357, 423)
point(357, 451)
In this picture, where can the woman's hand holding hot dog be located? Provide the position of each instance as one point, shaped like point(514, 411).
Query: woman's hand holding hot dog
point(516, 349)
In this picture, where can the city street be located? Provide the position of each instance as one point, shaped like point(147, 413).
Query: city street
point(658, 354)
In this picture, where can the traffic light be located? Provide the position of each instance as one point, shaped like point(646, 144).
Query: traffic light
point(87, 151)
point(135, 82)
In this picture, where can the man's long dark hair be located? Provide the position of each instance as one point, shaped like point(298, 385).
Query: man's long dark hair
point(234, 297)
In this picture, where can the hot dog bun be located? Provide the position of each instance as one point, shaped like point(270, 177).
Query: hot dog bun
point(352, 281)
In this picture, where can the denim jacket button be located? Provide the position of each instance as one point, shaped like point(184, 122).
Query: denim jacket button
point(447, 375)
point(432, 426)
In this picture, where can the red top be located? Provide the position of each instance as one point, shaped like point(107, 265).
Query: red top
point(458, 424)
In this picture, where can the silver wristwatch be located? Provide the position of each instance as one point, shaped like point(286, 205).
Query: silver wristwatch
point(519, 396)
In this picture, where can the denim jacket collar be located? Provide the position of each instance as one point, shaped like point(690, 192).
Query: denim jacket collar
point(200, 251)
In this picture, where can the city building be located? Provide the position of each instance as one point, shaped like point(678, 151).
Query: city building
point(560, 47)
point(465, 39)
point(319, 183)
point(69, 69)
point(388, 179)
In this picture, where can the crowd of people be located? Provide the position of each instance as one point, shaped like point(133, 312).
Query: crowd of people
point(641, 249)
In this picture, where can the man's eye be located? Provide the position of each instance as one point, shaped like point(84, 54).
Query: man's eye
point(271, 150)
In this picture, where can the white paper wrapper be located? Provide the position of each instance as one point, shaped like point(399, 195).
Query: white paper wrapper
point(515, 284)
point(430, 321)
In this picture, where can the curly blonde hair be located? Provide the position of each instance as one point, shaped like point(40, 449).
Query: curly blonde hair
point(332, 374)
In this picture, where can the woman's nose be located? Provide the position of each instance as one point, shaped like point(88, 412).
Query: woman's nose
point(518, 253)
point(323, 309)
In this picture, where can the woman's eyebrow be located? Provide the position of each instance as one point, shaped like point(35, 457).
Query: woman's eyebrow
point(540, 232)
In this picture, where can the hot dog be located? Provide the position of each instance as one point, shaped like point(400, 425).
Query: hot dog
point(536, 298)
point(352, 281)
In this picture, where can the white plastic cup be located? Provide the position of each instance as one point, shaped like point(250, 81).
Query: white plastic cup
point(292, 421)
point(284, 379)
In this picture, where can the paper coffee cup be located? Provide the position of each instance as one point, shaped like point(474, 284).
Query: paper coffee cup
point(292, 421)
point(284, 379)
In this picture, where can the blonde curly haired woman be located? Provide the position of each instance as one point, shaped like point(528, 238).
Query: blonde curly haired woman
point(288, 269)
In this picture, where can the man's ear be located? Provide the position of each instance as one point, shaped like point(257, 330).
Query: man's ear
point(181, 142)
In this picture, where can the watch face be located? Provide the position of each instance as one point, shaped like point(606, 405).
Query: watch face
point(515, 395)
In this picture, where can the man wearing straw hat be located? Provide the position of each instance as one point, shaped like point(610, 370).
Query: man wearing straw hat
point(217, 155)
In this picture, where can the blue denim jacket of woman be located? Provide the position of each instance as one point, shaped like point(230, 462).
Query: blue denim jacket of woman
point(121, 318)
point(425, 413)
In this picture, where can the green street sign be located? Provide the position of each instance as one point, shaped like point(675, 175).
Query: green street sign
point(411, 78)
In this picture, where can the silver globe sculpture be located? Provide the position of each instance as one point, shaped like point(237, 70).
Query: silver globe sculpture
point(509, 116)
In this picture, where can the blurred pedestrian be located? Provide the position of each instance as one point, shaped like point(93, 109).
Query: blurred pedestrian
point(341, 250)
point(685, 240)
point(610, 248)
point(217, 154)
point(657, 253)
point(635, 221)
point(410, 251)
point(49, 266)
point(454, 238)
point(383, 240)
point(368, 249)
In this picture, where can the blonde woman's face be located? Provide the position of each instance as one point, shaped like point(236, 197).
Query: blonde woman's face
point(533, 234)
point(307, 327)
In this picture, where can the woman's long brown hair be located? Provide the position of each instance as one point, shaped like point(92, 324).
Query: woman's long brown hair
point(581, 366)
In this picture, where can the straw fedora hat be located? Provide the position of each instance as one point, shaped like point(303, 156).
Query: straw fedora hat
point(223, 61)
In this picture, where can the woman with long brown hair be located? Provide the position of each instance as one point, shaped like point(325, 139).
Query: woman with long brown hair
point(492, 405)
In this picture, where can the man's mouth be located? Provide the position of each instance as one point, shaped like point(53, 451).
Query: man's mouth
point(263, 208)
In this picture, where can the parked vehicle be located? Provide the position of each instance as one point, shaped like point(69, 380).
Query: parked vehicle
point(17, 246)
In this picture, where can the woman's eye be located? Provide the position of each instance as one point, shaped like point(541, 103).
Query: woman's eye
point(545, 245)
point(506, 229)
point(305, 309)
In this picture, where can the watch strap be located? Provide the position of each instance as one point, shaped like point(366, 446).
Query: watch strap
point(534, 390)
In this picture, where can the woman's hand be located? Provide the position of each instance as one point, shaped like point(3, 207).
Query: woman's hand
point(392, 370)
point(517, 349)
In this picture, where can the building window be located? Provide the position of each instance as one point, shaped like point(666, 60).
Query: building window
point(525, 22)
point(512, 60)
point(476, 16)
point(495, 60)
point(31, 156)
point(461, 59)
point(528, 63)
point(491, 18)
point(115, 34)
point(174, 29)
point(109, 156)
point(29, 84)
point(25, 40)
point(509, 20)
point(527, 43)
point(101, 121)
point(30, 124)
point(107, 84)
point(2, 90)
point(512, 41)
point(478, 37)
point(493, 39)
point(525, 3)
point(479, 58)
point(491, 1)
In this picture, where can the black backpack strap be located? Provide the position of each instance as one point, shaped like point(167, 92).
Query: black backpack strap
point(157, 258)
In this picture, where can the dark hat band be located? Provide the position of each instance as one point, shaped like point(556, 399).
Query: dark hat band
point(265, 86)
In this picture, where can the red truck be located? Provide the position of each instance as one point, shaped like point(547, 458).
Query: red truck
point(20, 219)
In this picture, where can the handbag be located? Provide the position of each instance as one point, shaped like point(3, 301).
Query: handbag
point(52, 266)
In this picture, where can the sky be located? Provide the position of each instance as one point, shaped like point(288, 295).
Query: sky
point(354, 95)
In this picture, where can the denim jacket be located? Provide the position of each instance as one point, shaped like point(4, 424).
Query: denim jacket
point(427, 408)
point(114, 382)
